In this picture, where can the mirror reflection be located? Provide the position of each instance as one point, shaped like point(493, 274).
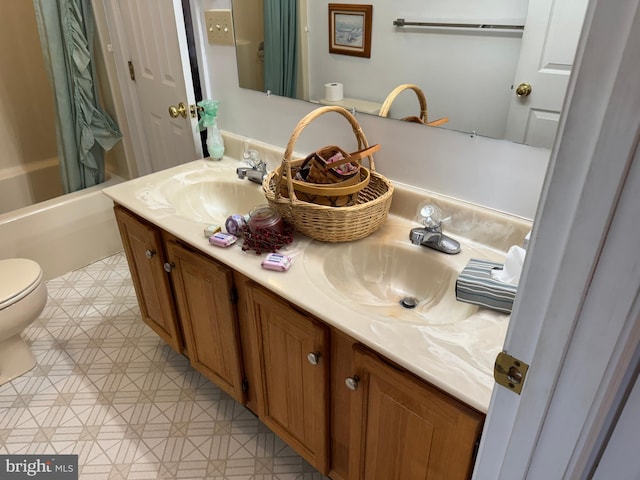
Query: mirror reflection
point(468, 67)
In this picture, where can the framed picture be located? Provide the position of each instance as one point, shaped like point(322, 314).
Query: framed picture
point(350, 29)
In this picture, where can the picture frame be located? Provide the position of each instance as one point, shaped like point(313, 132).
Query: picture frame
point(350, 29)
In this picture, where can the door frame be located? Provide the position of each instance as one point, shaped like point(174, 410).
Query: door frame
point(583, 228)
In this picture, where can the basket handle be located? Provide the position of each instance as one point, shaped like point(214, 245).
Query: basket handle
point(386, 105)
point(422, 100)
point(302, 124)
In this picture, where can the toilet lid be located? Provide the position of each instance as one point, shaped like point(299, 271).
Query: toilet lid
point(18, 278)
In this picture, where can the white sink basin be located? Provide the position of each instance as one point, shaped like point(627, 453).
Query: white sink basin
point(378, 272)
point(215, 201)
point(373, 275)
point(205, 196)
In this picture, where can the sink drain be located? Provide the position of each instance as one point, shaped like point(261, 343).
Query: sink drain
point(409, 302)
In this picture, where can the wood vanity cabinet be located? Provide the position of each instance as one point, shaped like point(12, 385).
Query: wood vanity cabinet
point(383, 423)
point(291, 355)
point(145, 253)
point(401, 428)
point(204, 295)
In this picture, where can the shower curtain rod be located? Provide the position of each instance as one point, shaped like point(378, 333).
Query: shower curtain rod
point(401, 22)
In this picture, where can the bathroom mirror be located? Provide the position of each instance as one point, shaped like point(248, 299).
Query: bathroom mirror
point(468, 74)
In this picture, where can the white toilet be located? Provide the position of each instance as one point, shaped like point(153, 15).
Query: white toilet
point(23, 295)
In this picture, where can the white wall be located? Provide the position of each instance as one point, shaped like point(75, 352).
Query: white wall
point(466, 75)
point(494, 173)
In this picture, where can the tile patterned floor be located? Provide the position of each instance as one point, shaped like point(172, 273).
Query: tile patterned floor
point(108, 389)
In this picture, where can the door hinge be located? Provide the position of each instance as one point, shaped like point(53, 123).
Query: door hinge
point(245, 385)
point(233, 295)
point(510, 372)
point(132, 71)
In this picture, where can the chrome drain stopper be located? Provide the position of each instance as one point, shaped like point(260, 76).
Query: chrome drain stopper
point(409, 302)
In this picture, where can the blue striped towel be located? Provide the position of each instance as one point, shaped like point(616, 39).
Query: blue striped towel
point(475, 285)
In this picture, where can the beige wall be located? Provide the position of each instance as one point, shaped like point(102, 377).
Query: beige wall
point(248, 23)
point(27, 111)
point(27, 128)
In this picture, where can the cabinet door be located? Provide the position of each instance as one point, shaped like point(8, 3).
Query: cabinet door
point(405, 429)
point(143, 248)
point(249, 346)
point(341, 398)
point(203, 290)
point(293, 363)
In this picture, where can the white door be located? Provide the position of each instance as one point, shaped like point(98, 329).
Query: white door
point(576, 319)
point(158, 51)
point(549, 45)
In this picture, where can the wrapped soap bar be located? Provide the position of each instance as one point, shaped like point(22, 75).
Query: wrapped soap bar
point(277, 262)
point(222, 239)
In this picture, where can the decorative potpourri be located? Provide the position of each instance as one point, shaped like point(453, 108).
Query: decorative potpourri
point(266, 240)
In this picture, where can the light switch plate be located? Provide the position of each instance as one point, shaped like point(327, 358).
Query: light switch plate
point(219, 27)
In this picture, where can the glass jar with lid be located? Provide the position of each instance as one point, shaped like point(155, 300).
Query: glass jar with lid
point(265, 217)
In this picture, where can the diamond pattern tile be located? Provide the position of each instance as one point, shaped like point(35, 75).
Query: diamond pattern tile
point(107, 388)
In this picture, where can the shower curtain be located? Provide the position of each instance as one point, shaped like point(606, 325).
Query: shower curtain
point(83, 129)
point(280, 51)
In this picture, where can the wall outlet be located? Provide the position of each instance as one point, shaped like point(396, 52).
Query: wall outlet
point(219, 27)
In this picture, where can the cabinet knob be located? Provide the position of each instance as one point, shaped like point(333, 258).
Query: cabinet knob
point(168, 267)
point(352, 382)
point(150, 254)
point(313, 357)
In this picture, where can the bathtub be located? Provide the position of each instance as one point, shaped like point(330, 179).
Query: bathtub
point(25, 185)
point(61, 234)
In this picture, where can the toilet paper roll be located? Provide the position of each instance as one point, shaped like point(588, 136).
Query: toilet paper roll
point(333, 91)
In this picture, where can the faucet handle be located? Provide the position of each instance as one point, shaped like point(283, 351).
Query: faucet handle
point(431, 216)
point(251, 157)
point(261, 165)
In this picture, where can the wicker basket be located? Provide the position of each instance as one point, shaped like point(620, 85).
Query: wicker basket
point(422, 100)
point(322, 222)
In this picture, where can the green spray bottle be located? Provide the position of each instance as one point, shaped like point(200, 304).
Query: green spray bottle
point(209, 120)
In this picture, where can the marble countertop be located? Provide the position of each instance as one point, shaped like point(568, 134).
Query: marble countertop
point(457, 356)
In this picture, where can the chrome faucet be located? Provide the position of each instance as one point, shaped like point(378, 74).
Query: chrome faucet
point(431, 234)
point(257, 169)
